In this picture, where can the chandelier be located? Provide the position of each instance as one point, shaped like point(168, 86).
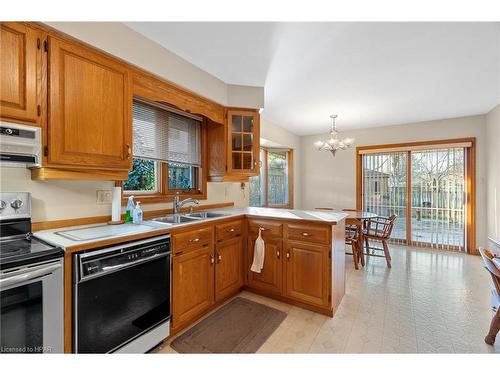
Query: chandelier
point(335, 142)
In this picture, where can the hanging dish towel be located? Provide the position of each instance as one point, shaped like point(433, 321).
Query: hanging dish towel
point(258, 255)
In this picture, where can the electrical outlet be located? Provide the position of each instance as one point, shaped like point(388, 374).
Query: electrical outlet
point(104, 196)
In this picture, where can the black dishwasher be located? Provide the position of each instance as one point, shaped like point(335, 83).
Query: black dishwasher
point(122, 297)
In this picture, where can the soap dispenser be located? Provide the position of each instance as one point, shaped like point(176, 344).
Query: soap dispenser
point(130, 209)
point(137, 214)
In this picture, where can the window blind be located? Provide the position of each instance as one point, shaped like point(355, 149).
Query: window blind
point(160, 134)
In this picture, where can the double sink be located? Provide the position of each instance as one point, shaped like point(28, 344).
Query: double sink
point(187, 218)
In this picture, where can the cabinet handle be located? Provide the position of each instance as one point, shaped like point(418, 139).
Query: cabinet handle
point(194, 240)
point(278, 254)
point(230, 230)
point(129, 151)
point(212, 259)
point(219, 258)
point(287, 255)
point(305, 234)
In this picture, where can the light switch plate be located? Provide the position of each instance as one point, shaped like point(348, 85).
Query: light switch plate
point(104, 196)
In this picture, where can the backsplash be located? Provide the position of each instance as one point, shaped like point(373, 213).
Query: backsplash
point(57, 200)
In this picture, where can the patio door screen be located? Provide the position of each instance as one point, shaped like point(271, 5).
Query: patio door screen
point(427, 186)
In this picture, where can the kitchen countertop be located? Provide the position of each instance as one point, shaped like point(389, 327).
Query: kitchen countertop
point(150, 229)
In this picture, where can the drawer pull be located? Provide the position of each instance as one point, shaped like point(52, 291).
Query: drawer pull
point(179, 253)
point(194, 240)
point(263, 229)
point(305, 234)
point(129, 151)
point(230, 230)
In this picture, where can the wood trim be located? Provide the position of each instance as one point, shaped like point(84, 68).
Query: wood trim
point(46, 173)
point(470, 156)
point(359, 181)
point(470, 141)
point(470, 161)
point(291, 202)
point(53, 224)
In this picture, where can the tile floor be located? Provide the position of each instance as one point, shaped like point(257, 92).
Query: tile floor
point(429, 302)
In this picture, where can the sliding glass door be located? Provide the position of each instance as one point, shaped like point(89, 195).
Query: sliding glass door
point(429, 184)
point(385, 187)
point(438, 198)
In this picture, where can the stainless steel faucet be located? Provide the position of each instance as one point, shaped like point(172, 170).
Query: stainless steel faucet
point(178, 204)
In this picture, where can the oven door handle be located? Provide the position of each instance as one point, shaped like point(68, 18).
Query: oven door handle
point(35, 274)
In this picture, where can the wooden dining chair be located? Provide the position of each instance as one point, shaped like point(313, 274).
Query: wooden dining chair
point(495, 275)
point(352, 238)
point(379, 229)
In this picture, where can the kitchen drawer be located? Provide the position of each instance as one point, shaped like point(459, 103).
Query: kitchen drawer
point(309, 233)
point(227, 231)
point(270, 228)
point(192, 240)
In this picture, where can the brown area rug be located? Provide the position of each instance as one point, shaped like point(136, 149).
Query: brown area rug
point(241, 326)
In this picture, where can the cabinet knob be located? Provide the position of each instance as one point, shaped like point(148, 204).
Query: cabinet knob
point(219, 258)
point(287, 255)
point(212, 260)
point(129, 151)
point(278, 254)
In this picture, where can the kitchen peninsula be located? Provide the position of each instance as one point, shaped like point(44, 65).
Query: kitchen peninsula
point(304, 262)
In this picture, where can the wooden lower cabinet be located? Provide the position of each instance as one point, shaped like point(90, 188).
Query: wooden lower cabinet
point(270, 278)
point(228, 268)
point(306, 273)
point(192, 285)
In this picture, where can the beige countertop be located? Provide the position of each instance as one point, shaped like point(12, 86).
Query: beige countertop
point(150, 229)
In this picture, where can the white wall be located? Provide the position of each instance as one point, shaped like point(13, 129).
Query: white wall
point(131, 46)
point(493, 174)
point(285, 138)
point(331, 181)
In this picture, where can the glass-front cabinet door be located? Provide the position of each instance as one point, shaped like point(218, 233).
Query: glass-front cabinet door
point(243, 142)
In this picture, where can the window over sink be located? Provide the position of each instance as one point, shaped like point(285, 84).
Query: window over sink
point(167, 153)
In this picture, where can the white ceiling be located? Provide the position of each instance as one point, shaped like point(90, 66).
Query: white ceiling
point(370, 74)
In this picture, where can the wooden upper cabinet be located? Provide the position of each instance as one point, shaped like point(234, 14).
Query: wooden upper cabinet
point(306, 273)
point(228, 267)
point(243, 142)
point(20, 73)
point(90, 104)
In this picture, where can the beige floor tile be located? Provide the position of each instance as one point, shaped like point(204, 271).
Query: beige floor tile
point(429, 302)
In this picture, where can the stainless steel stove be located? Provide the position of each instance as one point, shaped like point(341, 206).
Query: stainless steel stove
point(31, 283)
